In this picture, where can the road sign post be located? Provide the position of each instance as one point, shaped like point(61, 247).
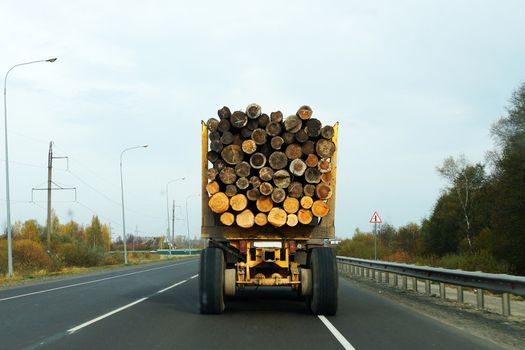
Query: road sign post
point(375, 219)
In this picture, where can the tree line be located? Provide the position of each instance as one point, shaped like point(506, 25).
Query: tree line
point(478, 220)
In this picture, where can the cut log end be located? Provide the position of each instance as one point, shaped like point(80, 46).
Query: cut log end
point(304, 216)
point(306, 202)
point(320, 208)
point(213, 187)
point(239, 202)
point(219, 203)
point(291, 205)
point(277, 217)
point(261, 219)
point(246, 219)
point(292, 220)
point(227, 218)
point(264, 204)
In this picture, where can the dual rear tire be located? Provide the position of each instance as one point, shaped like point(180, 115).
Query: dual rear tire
point(323, 265)
point(211, 281)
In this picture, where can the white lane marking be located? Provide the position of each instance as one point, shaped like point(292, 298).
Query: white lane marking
point(90, 322)
point(85, 324)
point(192, 277)
point(345, 343)
point(89, 282)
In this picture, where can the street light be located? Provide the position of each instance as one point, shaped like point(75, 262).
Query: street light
point(168, 206)
point(122, 190)
point(8, 202)
point(188, 221)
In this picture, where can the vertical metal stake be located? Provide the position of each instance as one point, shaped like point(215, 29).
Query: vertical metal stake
point(480, 298)
point(414, 284)
point(459, 298)
point(505, 304)
point(442, 290)
point(404, 282)
point(428, 287)
point(395, 280)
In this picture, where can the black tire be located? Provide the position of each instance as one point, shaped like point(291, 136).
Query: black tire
point(323, 300)
point(211, 281)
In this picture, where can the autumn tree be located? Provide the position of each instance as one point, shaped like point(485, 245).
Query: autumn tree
point(30, 230)
point(94, 234)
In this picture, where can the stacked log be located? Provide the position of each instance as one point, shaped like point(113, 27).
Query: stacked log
point(269, 169)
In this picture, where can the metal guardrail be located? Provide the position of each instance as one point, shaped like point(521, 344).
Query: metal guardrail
point(480, 281)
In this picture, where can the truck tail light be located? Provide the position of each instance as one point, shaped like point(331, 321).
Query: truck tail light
point(243, 246)
point(292, 246)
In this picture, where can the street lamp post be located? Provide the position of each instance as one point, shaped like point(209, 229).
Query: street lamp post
point(188, 221)
point(122, 192)
point(7, 197)
point(168, 206)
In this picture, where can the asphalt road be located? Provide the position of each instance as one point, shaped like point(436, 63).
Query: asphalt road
point(156, 307)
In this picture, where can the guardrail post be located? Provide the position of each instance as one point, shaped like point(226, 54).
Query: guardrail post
point(396, 283)
point(428, 287)
point(480, 298)
point(414, 284)
point(459, 298)
point(505, 304)
point(442, 290)
point(362, 271)
point(387, 277)
point(373, 274)
point(404, 282)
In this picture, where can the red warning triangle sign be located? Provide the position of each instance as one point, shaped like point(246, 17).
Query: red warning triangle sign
point(375, 219)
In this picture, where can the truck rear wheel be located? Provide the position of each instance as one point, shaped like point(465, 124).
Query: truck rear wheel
point(323, 300)
point(211, 281)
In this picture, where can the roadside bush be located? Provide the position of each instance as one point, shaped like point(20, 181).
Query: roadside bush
point(114, 259)
point(29, 256)
point(80, 255)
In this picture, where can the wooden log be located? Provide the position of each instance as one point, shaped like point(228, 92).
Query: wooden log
point(219, 203)
point(297, 167)
point(219, 164)
point(276, 117)
point(253, 110)
point(213, 187)
point(281, 179)
point(212, 156)
point(237, 140)
point(246, 219)
point(312, 175)
point(292, 220)
point(224, 113)
point(277, 217)
point(324, 165)
point(212, 174)
point(239, 202)
point(249, 146)
point(227, 138)
point(313, 127)
point(259, 136)
point(309, 190)
point(255, 181)
point(323, 191)
point(293, 124)
point(263, 120)
point(261, 219)
point(278, 195)
point(301, 136)
point(291, 205)
point(266, 173)
point(326, 177)
point(227, 218)
point(312, 160)
point(320, 208)
point(273, 129)
point(214, 136)
point(227, 175)
point(325, 148)
point(266, 188)
point(232, 154)
point(288, 137)
point(304, 216)
point(231, 190)
point(327, 132)
point(246, 133)
point(276, 142)
point(295, 189)
point(242, 183)
point(308, 147)
point(253, 194)
point(304, 112)
point(278, 160)
point(306, 202)
point(257, 160)
point(224, 125)
point(252, 124)
point(293, 151)
point(243, 169)
point(216, 146)
point(264, 204)
point(238, 119)
point(212, 124)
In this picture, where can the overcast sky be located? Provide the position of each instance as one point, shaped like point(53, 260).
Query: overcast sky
point(410, 83)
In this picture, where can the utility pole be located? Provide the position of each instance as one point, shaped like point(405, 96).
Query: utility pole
point(173, 223)
point(135, 236)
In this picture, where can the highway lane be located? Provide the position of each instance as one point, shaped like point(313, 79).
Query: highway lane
point(259, 319)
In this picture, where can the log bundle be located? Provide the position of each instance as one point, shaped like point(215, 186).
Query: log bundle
point(269, 169)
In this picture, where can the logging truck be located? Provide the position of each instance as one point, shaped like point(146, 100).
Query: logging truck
point(268, 207)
